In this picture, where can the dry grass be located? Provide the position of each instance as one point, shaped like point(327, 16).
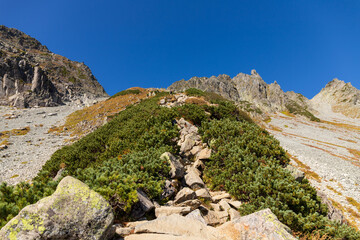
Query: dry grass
point(14, 132)
point(343, 125)
point(305, 168)
point(84, 121)
point(274, 128)
point(267, 120)
point(353, 202)
point(353, 213)
point(347, 140)
point(354, 152)
point(287, 113)
point(334, 190)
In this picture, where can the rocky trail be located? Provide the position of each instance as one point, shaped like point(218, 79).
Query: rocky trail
point(328, 152)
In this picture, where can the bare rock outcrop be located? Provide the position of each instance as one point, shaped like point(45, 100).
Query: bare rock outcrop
point(341, 97)
point(31, 75)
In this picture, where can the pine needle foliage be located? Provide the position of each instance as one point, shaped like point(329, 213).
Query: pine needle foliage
point(249, 164)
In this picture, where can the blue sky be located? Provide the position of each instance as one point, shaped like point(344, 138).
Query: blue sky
point(300, 44)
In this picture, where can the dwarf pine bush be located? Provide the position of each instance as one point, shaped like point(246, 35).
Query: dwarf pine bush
point(249, 164)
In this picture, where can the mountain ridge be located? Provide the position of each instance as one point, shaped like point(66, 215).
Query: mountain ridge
point(31, 75)
point(270, 98)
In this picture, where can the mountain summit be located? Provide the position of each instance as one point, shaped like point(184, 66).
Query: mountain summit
point(31, 75)
point(341, 97)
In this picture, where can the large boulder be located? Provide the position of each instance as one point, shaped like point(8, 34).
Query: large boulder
point(260, 225)
point(74, 211)
point(176, 225)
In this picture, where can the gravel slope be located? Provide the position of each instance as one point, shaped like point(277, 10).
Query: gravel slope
point(331, 151)
point(26, 154)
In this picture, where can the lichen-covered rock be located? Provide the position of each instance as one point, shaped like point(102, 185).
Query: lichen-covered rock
point(74, 211)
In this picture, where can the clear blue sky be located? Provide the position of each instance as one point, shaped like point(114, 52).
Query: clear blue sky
point(301, 44)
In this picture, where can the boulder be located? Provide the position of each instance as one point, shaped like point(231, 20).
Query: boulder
point(196, 214)
point(176, 225)
point(73, 211)
point(204, 154)
point(177, 169)
point(193, 204)
point(203, 193)
point(224, 205)
point(184, 194)
point(192, 179)
point(260, 225)
point(235, 204)
point(187, 145)
point(143, 205)
point(234, 214)
point(167, 211)
point(217, 198)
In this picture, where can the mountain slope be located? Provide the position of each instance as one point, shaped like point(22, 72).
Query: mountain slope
point(341, 97)
point(31, 75)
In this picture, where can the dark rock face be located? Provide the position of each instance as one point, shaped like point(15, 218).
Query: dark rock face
point(31, 75)
point(244, 88)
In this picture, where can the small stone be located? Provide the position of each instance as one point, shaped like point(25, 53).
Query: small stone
point(217, 198)
point(123, 231)
point(224, 205)
point(193, 204)
point(215, 206)
point(234, 214)
point(204, 154)
point(193, 180)
point(203, 193)
point(235, 204)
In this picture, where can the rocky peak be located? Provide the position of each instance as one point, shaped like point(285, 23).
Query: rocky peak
point(341, 97)
point(31, 75)
point(242, 88)
point(17, 39)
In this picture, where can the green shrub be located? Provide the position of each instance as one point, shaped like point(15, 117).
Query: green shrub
point(248, 163)
point(126, 92)
point(295, 108)
point(194, 92)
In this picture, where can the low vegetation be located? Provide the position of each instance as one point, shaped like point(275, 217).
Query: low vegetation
point(124, 155)
point(126, 92)
point(295, 108)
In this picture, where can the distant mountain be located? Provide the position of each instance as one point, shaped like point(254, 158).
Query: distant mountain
point(251, 90)
point(31, 75)
point(342, 97)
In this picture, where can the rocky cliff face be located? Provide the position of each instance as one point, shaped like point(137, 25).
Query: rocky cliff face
point(342, 98)
point(31, 75)
point(245, 88)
